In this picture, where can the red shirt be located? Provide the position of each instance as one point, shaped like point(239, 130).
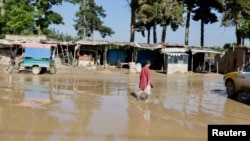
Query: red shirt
point(145, 77)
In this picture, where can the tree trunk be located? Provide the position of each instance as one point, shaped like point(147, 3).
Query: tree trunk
point(132, 22)
point(238, 36)
point(202, 33)
point(84, 20)
point(148, 30)
point(92, 36)
point(163, 34)
point(243, 41)
point(154, 32)
point(105, 57)
point(187, 28)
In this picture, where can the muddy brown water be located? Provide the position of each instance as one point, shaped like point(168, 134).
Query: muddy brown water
point(98, 106)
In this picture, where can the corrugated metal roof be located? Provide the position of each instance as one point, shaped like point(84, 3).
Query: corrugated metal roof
point(176, 54)
point(88, 42)
point(148, 46)
point(194, 51)
point(138, 45)
point(123, 43)
point(35, 45)
point(174, 50)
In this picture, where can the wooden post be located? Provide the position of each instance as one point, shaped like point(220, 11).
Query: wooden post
point(204, 60)
point(57, 55)
point(133, 55)
point(192, 62)
point(217, 66)
point(105, 57)
point(164, 60)
point(209, 62)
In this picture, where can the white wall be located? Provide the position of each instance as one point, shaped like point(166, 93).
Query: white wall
point(173, 68)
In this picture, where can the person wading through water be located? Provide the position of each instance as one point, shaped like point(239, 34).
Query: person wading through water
point(145, 83)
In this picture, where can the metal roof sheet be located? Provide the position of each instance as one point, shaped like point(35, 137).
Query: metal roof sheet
point(174, 50)
point(35, 45)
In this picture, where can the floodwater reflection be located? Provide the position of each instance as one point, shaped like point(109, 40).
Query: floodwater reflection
point(95, 107)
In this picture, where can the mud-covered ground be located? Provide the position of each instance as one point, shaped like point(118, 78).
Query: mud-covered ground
point(87, 105)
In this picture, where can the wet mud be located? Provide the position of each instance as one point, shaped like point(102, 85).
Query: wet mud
point(100, 106)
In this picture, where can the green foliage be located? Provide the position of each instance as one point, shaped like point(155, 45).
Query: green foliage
point(229, 46)
point(17, 18)
point(29, 16)
point(88, 20)
point(61, 36)
point(115, 47)
point(147, 13)
point(105, 31)
point(237, 13)
point(205, 10)
point(245, 29)
point(150, 13)
point(220, 49)
point(44, 16)
point(172, 13)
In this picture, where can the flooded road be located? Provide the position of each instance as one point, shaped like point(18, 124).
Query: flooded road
point(99, 107)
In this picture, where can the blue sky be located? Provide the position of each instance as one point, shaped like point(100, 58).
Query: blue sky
point(118, 18)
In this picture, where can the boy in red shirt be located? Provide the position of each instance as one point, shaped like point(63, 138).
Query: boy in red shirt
point(145, 83)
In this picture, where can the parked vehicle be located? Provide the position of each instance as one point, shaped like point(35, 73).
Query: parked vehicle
point(237, 81)
point(37, 57)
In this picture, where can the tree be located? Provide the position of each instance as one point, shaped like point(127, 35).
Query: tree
point(44, 16)
point(172, 11)
point(205, 12)
point(150, 13)
point(147, 16)
point(134, 5)
point(18, 17)
point(61, 36)
point(88, 20)
point(244, 31)
point(189, 4)
point(1, 19)
point(235, 14)
point(29, 16)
